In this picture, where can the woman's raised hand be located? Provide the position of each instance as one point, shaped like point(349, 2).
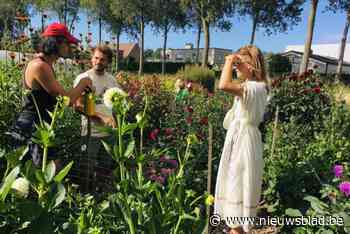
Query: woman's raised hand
point(233, 59)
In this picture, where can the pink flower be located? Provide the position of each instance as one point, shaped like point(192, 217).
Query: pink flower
point(344, 187)
point(189, 86)
point(173, 163)
point(166, 171)
point(338, 170)
point(160, 179)
point(153, 135)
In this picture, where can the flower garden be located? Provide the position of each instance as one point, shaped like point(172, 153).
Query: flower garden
point(166, 154)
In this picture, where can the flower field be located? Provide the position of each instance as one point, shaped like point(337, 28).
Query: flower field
point(159, 180)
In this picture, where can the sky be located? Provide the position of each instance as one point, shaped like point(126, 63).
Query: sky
point(328, 29)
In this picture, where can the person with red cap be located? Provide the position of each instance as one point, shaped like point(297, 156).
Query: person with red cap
point(43, 88)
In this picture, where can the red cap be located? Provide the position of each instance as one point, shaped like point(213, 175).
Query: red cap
point(57, 29)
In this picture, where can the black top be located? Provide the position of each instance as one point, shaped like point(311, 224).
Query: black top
point(28, 117)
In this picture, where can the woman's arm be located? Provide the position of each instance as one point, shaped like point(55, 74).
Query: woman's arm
point(43, 74)
point(225, 82)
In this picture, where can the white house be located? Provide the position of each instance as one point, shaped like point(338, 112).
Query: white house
point(188, 54)
point(321, 64)
point(327, 50)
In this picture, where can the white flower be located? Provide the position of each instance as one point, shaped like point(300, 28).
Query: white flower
point(109, 95)
point(21, 186)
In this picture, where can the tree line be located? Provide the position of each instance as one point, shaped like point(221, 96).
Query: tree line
point(163, 16)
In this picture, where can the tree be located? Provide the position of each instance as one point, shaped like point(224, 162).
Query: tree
point(211, 13)
point(140, 12)
point(272, 15)
point(310, 31)
point(169, 15)
point(11, 13)
point(118, 21)
point(41, 6)
point(66, 11)
point(194, 21)
point(343, 6)
point(100, 11)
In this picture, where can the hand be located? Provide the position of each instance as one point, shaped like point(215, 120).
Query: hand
point(86, 83)
point(109, 121)
point(233, 59)
point(104, 119)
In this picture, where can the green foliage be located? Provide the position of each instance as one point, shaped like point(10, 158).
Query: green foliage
point(202, 75)
point(278, 65)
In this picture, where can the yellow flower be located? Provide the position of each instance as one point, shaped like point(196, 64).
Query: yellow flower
point(21, 187)
point(209, 200)
point(66, 100)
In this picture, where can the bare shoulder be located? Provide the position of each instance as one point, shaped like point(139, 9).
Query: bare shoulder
point(38, 66)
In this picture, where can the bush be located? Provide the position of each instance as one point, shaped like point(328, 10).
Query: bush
point(279, 65)
point(203, 76)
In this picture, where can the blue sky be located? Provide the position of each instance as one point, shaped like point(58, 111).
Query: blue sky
point(328, 29)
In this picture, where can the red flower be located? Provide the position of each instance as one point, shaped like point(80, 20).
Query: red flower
point(204, 121)
point(317, 90)
point(189, 120)
point(153, 135)
point(189, 109)
point(168, 131)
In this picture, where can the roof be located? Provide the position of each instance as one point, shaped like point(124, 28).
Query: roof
point(194, 48)
point(324, 59)
point(127, 48)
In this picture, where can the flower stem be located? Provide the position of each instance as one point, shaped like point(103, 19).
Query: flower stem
point(44, 159)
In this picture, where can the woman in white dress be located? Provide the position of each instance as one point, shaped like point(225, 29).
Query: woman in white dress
point(239, 180)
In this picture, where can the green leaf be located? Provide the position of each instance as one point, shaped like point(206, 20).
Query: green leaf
point(319, 206)
point(129, 149)
point(50, 171)
point(63, 173)
point(40, 176)
point(128, 128)
point(6, 186)
point(14, 157)
point(326, 232)
point(2, 153)
point(60, 195)
point(293, 212)
point(107, 148)
point(345, 217)
point(189, 217)
point(30, 210)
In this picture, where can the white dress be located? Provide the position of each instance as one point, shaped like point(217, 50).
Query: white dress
point(238, 185)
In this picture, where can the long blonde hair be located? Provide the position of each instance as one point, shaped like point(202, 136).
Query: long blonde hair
point(253, 56)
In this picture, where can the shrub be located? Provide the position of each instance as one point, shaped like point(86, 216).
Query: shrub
point(203, 76)
point(279, 65)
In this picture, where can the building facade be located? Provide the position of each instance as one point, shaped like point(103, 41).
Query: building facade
point(188, 54)
point(318, 63)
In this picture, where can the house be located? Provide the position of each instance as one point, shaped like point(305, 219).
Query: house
point(188, 54)
point(129, 50)
point(318, 63)
point(326, 50)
